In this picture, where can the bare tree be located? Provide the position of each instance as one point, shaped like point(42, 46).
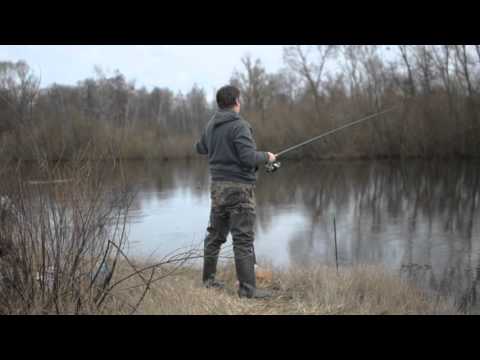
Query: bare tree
point(424, 65)
point(405, 54)
point(352, 67)
point(464, 60)
point(253, 84)
point(298, 59)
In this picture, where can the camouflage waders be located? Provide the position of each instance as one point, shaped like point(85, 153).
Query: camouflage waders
point(232, 210)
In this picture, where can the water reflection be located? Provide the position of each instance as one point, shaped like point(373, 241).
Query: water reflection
point(417, 218)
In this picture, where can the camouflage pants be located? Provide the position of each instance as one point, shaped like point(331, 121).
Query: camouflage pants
point(232, 210)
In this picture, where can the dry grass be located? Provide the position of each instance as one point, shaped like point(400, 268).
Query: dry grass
point(360, 290)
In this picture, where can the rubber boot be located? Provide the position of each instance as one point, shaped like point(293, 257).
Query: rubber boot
point(246, 277)
point(209, 271)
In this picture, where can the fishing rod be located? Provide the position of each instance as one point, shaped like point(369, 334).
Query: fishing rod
point(275, 165)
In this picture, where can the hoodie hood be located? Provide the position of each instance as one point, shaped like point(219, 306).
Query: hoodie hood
point(224, 116)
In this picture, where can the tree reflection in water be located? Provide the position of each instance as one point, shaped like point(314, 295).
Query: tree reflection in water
point(417, 218)
point(414, 217)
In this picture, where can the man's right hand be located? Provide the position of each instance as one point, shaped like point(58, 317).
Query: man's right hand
point(271, 157)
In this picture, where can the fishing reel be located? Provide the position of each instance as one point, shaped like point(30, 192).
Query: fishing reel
point(271, 167)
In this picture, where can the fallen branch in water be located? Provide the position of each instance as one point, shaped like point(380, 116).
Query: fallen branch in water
point(41, 182)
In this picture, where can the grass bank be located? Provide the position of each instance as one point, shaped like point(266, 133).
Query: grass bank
point(362, 290)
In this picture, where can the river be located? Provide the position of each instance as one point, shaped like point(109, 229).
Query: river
point(418, 219)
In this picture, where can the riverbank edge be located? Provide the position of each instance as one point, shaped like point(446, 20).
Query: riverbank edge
point(319, 290)
point(436, 157)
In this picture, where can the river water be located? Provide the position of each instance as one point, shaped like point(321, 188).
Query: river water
point(419, 219)
point(416, 218)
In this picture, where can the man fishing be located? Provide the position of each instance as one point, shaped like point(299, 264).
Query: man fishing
point(233, 159)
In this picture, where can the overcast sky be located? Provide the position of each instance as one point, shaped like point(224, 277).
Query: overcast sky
point(177, 67)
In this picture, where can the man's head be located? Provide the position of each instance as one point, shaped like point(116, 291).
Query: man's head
point(228, 98)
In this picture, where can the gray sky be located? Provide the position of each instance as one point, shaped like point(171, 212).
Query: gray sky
point(177, 67)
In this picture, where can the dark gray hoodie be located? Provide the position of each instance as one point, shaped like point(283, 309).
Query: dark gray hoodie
point(232, 152)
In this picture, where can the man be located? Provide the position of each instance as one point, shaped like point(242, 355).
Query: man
point(233, 162)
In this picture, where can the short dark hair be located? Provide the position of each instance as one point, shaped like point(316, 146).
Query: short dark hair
point(227, 96)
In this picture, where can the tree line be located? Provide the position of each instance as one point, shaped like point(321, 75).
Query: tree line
point(318, 88)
